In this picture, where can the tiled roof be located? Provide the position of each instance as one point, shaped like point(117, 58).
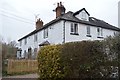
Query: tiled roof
point(70, 16)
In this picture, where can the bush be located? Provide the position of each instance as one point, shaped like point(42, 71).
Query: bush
point(85, 59)
point(62, 61)
point(82, 58)
point(49, 62)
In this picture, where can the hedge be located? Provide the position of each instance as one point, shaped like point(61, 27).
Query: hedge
point(49, 62)
point(85, 59)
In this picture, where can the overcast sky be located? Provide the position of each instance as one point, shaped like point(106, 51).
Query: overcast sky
point(17, 17)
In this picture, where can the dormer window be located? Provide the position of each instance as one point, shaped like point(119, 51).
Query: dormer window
point(84, 17)
point(82, 14)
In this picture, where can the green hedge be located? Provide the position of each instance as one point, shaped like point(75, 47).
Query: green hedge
point(49, 62)
point(82, 58)
point(85, 59)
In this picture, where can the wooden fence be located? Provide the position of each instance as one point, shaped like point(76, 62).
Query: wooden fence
point(19, 66)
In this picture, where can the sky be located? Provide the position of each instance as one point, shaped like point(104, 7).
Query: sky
point(17, 17)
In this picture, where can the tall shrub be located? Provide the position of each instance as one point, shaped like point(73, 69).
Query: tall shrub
point(49, 66)
point(85, 59)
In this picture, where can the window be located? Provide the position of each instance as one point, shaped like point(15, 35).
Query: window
point(35, 49)
point(20, 43)
point(74, 28)
point(100, 32)
point(29, 37)
point(88, 31)
point(25, 41)
point(45, 35)
point(24, 51)
point(72, 31)
point(84, 16)
point(25, 54)
point(114, 33)
point(35, 38)
point(35, 53)
point(20, 55)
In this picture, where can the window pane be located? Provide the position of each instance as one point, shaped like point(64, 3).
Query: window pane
point(72, 27)
point(83, 15)
point(35, 37)
point(45, 33)
point(76, 28)
point(88, 29)
point(25, 42)
point(98, 31)
point(101, 32)
point(35, 49)
point(20, 43)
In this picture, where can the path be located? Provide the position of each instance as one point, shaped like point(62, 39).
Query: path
point(22, 76)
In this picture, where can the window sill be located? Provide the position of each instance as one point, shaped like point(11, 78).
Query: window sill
point(88, 35)
point(99, 37)
point(74, 33)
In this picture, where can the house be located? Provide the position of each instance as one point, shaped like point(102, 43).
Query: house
point(66, 27)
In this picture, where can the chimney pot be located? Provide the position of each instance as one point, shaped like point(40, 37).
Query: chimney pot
point(57, 4)
point(60, 3)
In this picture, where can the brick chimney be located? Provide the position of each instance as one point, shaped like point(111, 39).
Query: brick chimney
point(39, 24)
point(60, 10)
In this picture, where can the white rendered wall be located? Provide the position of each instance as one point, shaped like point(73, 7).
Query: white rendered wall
point(82, 31)
point(55, 36)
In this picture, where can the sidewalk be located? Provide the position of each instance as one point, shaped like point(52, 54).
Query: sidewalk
point(35, 76)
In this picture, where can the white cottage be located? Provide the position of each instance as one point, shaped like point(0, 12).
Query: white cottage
point(67, 27)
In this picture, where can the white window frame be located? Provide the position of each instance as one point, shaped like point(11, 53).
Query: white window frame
point(45, 33)
point(99, 32)
point(88, 30)
point(35, 38)
point(21, 43)
point(84, 16)
point(74, 28)
point(25, 41)
point(35, 50)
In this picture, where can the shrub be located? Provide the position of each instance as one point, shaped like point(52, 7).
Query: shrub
point(62, 61)
point(49, 62)
point(85, 59)
point(82, 58)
